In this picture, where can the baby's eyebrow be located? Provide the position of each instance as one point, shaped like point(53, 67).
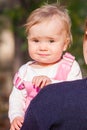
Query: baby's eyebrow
point(33, 38)
point(52, 37)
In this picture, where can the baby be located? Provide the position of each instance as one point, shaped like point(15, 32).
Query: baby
point(49, 35)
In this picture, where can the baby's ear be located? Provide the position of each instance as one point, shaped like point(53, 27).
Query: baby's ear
point(67, 43)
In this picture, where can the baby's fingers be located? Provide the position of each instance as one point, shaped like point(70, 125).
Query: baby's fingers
point(17, 123)
point(45, 81)
point(40, 81)
point(35, 81)
point(15, 127)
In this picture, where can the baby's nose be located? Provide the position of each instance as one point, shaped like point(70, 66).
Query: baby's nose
point(43, 46)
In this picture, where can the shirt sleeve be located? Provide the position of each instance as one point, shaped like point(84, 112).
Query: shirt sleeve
point(17, 98)
point(16, 103)
point(75, 72)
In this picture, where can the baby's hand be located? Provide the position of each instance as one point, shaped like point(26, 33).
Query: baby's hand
point(17, 123)
point(40, 81)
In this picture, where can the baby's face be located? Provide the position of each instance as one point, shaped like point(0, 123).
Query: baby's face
point(47, 41)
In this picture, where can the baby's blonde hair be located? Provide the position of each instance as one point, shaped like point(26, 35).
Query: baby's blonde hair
point(46, 12)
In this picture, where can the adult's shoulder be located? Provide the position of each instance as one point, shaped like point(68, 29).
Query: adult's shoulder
point(59, 89)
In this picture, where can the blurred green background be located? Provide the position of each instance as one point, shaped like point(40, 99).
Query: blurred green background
point(13, 42)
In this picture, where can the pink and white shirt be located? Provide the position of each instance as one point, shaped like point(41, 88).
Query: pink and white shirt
point(23, 91)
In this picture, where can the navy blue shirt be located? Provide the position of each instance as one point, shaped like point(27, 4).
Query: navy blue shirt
point(60, 106)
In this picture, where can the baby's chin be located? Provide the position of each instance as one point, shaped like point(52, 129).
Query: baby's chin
point(45, 64)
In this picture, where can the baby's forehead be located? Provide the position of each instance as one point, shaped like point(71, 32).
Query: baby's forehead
point(56, 20)
point(64, 22)
point(49, 19)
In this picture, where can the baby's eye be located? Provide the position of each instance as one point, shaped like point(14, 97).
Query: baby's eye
point(51, 41)
point(35, 40)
